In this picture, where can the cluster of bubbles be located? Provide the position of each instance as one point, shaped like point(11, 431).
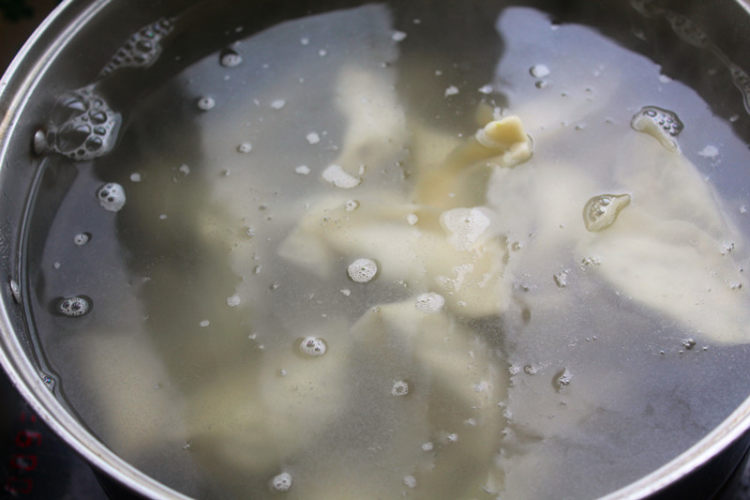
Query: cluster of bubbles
point(141, 49)
point(74, 306)
point(400, 388)
point(313, 346)
point(81, 239)
point(362, 270)
point(601, 211)
point(230, 58)
point(82, 126)
point(281, 482)
point(430, 302)
point(111, 197)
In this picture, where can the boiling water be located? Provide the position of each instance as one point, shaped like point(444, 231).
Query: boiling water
point(255, 291)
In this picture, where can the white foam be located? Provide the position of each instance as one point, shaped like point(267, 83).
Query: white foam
point(362, 270)
point(339, 177)
point(313, 346)
point(465, 226)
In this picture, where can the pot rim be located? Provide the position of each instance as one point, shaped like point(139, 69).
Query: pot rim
point(16, 87)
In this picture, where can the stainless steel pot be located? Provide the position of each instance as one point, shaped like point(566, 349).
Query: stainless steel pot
point(71, 45)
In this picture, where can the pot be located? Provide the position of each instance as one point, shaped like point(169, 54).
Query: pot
point(44, 158)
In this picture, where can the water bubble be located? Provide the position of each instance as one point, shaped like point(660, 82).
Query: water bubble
point(541, 84)
point(351, 205)
point(430, 302)
point(322, 52)
point(539, 71)
point(709, 151)
point(281, 482)
point(278, 103)
point(304, 41)
point(428, 446)
point(662, 124)
point(135, 177)
point(398, 36)
point(141, 49)
point(81, 239)
point(302, 169)
point(410, 481)
point(74, 306)
point(362, 270)
point(688, 344)
point(204, 323)
point(111, 197)
point(205, 103)
point(562, 379)
point(452, 90)
point(313, 346)
point(313, 138)
point(412, 219)
point(244, 148)
point(339, 177)
point(229, 58)
point(400, 388)
point(601, 211)
point(69, 130)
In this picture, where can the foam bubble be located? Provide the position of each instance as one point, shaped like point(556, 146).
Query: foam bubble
point(233, 301)
point(351, 205)
point(244, 148)
point(205, 103)
point(362, 270)
point(135, 177)
point(278, 103)
point(302, 170)
point(539, 71)
point(282, 482)
point(204, 323)
point(111, 197)
point(230, 58)
point(339, 177)
point(452, 90)
point(410, 481)
point(400, 388)
point(313, 138)
point(486, 89)
point(81, 126)
point(313, 346)
point(561, 278)
point(428, 446)
point(398, 36)
point(430, 302)
point(74, 306)
point(412, 219)
point(141, 49)
point(81, 239)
